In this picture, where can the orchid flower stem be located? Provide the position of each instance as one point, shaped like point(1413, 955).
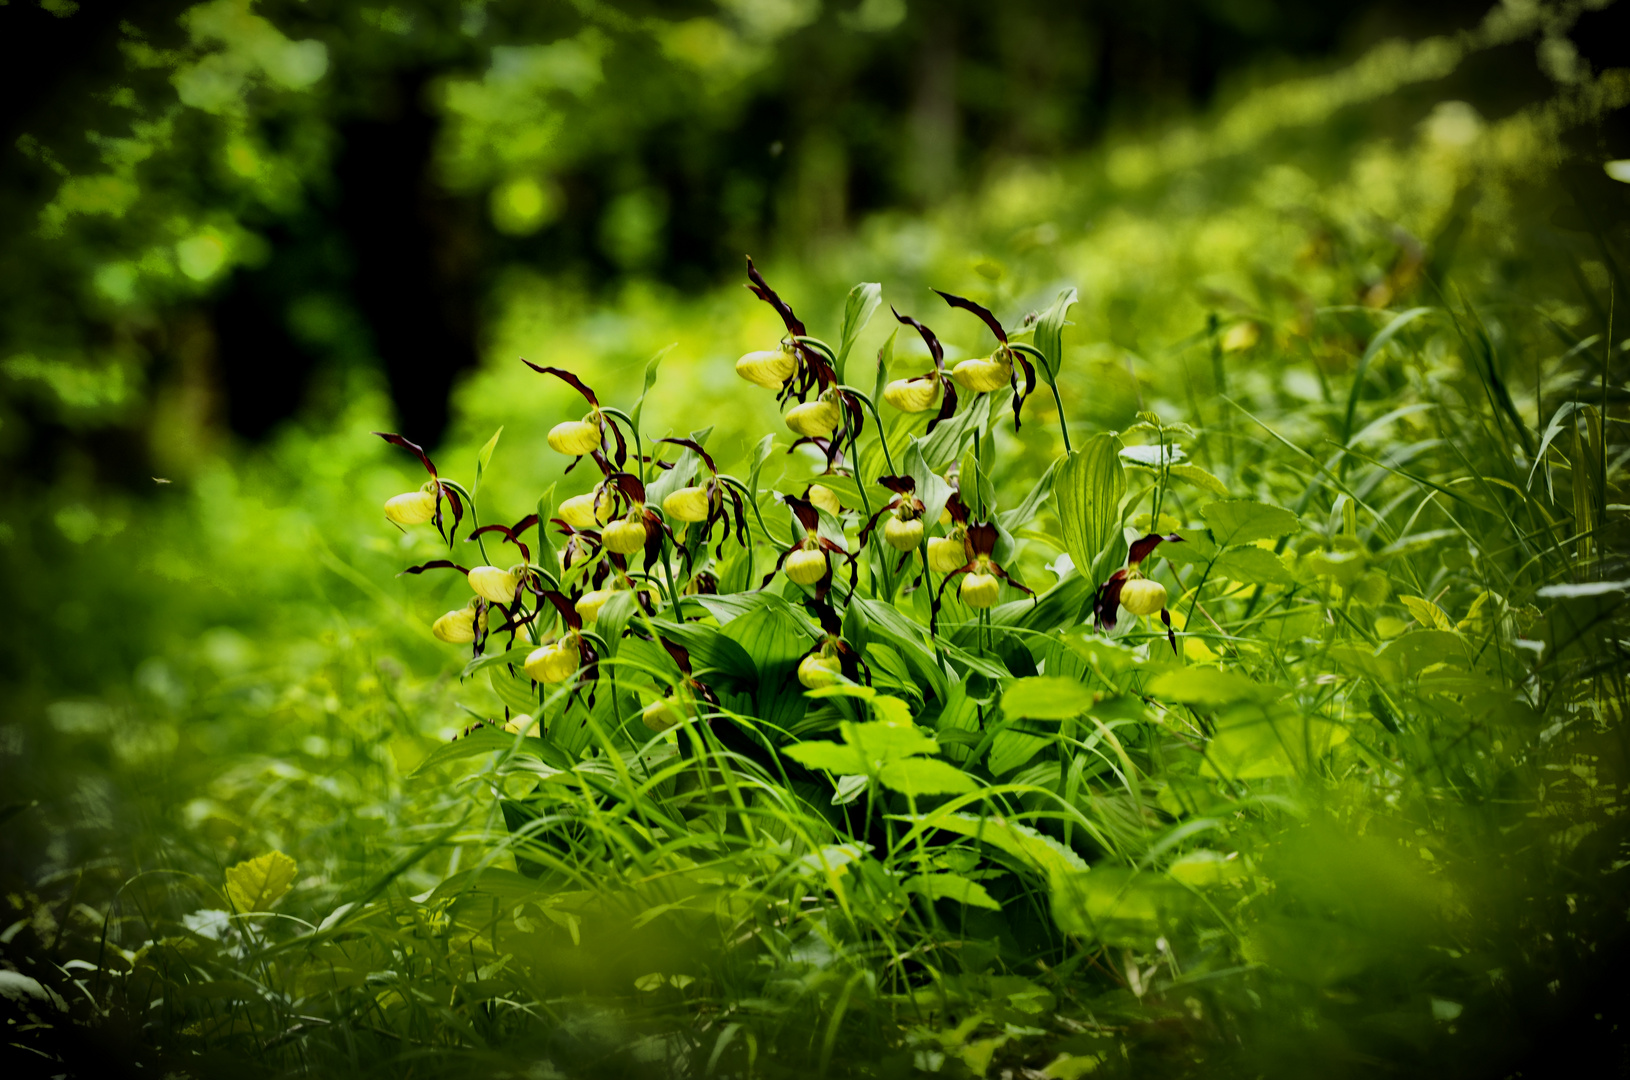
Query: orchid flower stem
point(882, 435)
point(634, 430)
point(1063, 424)
point(475, 520)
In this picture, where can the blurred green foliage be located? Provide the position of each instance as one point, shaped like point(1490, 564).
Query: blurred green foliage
point(225, 664)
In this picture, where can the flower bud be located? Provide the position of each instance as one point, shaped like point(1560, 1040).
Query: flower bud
point(980, 590)
point(687, 504)
point(982, 376)
point(574, 438)
point(553, 663)
point(459, 627)
point(806, 566)
point(660, 715)
point(580, 512)
point(412, 508)
point(769, 368)
point(912, 395)
point(814, 419)
point(589, 604)
point(825, 498)
point(1140, 596)
point(624, 536)
point(819, 670)
point(903, 535)
point(946, 554)
point(495, 584)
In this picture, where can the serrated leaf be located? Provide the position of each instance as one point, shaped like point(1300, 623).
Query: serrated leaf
point(1089, 487)
point(1241, 521)
point(1251, 565)
point(1050, 334)
point(834, 757)
point(857, 312)
point(1427, 613)
point(256, 884)
point(925, 776)
point(1199, 477)
point(951, 887)
point(1046, 697)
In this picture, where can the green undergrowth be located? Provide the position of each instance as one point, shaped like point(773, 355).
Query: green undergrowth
point(1361, 811)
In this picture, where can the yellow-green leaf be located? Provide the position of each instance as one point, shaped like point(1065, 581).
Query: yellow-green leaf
point(258, 883)
point(1427, 613)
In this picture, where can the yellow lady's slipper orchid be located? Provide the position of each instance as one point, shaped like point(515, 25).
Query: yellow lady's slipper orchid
point(687, 504)
point(553, 663)
point(626, 536)
point(903, 535)
point(580, 512)
point(574, 438)
point(912, 395)
point(521, 722)
point(814, 419)
point(412, 508)
point(947, 553)
point(982, 376)
point(980, 590)
point(1140, 596)
point(819, 670)
point(459, 627)
point(660, 715)
point(806, 566)
point(589, 604)
point(825, 498)
point(768, 368)
point(495, 584)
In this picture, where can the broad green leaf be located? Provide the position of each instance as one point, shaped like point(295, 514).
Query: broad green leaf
point(1117, 906)
point(515, 691)
point(1240, 521)
point(945, 444)
point(1021, 841)
point(857, 312)
point(907, 638)
point(1050, 334)
point(1046, 697)
point(1201, 686)
point(834, 757)
point(709, 649)
point(1251, 565)
point(258, 883)
point(932, 489)
point(881, 742)
point(1427, 613)
point(1199, 477)
point(1011, 749)
point(1254, 740)
point(483, 457)
point(1026, 511)
point(544, 552)
point(925, 776)
point(951, 887)
point(651, 366)
point(485, 740)
point(686, 466)
point(1089, 488)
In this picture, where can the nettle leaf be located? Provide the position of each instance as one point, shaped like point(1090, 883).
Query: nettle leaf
point(951, 887)
point(857, 312)
point(258, 883)
point(838, 758)
point(1202, 686)
point(879, 741)
point(1153, 456)
point(925, 776)
point(1089, 488)
point(1049, 336)
point(1251, 565)
point(1241, 521)
point(1046, 697)
point(1199, 477)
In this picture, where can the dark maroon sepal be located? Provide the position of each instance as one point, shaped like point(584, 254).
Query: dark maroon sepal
point(1140, 549)
point(761, 289)
point(982, 312)
point(567, 377)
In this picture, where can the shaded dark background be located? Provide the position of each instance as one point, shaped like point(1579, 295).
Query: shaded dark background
point(903, 118)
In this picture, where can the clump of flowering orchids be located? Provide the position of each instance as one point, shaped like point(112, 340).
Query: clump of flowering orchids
point(662, 547)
